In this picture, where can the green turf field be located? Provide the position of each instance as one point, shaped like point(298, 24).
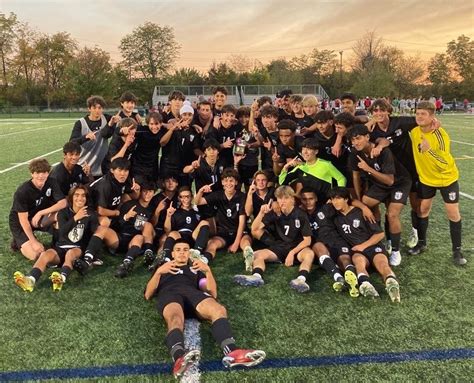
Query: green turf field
point(101, 321)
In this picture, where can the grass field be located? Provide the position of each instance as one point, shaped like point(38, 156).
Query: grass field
point(99, 321)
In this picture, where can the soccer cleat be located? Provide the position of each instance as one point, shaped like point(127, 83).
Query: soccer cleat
point(367, 290)
point(249, 280)
point(124, 269)
point(393, 289)
point(299, 285)
point(183, 363)
point(338, 285)
point(458, 258)
point(195, 255)
point(418, 249)
point(248, 259)
point(57, 280)
point(25, 282)
point(351, 280)
point(395, 258)
point(81, 266)
point(246, 358)
point(412, 239)
point(97, 262)
point(388, 247)
point(148, 257)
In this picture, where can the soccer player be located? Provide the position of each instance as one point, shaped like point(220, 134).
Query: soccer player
point(268, 135)
point(282, 101)
point(219, 95)
point(229, 205)
point(349, 105)
point(35, 203)
point(367, 249)
point(189, 290)
point(68, 173)
point(160, 203)
point(389, 182)
point(202, 120)
point(288, 242)
point(437, 170)
point(76, 224)
point(311, 109)
point(289, 146)
point(175, 100)
point(259, 193)
point(123, 144)
point(297, 113)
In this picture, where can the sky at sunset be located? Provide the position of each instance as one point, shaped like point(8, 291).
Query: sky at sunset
point(213, 30)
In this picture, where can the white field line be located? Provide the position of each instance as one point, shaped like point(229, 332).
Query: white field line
point(462, 142)
point(27, 162)
point(33, 130)
point(467, 195)
point(192, 341)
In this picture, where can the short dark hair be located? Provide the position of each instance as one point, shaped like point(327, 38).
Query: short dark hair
point(324, 116)
point(219, 89)
point(127, 122)
point(344, 118)
point(263, 100)
point(184, 188)
point(230, 172)
point(349, 96)
point(71, 192)
point(211, 143)
point(154, 116)
point(339, 192)
point(71, 147)
point(285, 93)
point(179, 241)
point(287, 125)
point(382, 104)
point(147, 184)
point(269, 110)
point(310, 143)
point(242, 112)
point(307, 189)
point(39, 165)
point(95, 100)
point(229, 108)
point(204, 102)
point(176, 95)
point(358, 130)
point(128, 96)
point(120, 163)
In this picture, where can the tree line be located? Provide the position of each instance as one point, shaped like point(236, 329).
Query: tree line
point(52, 71)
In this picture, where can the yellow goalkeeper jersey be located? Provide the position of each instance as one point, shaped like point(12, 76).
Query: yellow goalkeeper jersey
point(435, 166)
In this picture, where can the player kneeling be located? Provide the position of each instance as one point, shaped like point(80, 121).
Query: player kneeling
point(365, 239)
point(189, 290)
point(289, 243)
point(76, 224)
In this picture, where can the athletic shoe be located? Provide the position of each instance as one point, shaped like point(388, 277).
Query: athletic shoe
point(458, 258)
point(195, 255)
point(393, 289)
point(81, 266)
point(148, 257)
point(183, 363)
point(338, 285)
point(249, 280)
point(246, 358)
point(388, 247)
point(97, 262)
point(412, 239)
point(124, 269)
point(248, 259)
point(299, 285)
point(25, 282)
point(159, 260)
point(395, 258)
point(351, 280)
point(367, 290)
point(418, 249)
point(57, 281)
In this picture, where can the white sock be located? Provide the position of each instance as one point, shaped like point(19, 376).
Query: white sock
point(302, 277)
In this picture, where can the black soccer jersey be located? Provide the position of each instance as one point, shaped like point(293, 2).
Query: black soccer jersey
point(184, 278)
point(353, 227)
point(267, 162)
point(76, 233)
point(228, 211)
point(155, 201)
point(30, 199)
point(252, 149)
point(289, 228)
point(147, 149)
point(207, 175)
point(258, 202)
point(66, 180)
point(185, 220)
point(179, 151)
point(115, 146)
point(94, 126)
point(287, 152)
point(107, 192)
point(134, 225)
point(222, 135)
point(385, 163)
point(325, 153)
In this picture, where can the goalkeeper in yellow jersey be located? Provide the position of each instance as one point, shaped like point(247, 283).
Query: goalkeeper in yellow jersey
point(437, 170)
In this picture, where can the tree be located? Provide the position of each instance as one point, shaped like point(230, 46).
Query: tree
point(377, 82)
point(7, 38)
point(186, 76)
point(367, 51)
point(149, 51)
point(221, 74)
point(461, 52)
point(282, 73)
point(439, 72)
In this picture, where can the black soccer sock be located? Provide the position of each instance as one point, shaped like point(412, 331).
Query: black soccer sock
point(94, 246)
point(257, 270)
point(168, 246)
point(208, 256)
point(362, 278)
point(395, 237)
point(133, 253)
point(386, 227)
point(147, 246)
point(351, 268)
point(36, 273)
point(303, 273)
point(422, 229)
point(455, 229)
point(202, 238)
point(222, 334)
point(390, 276)
point(328, 264)
point(175, 342)
point(65, 271)
point(414, 219)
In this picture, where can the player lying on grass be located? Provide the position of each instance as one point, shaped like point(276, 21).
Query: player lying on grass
point(365, 239)
point(188, 290)
point(76, 224)
point(287, 236)
point(35, 204)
